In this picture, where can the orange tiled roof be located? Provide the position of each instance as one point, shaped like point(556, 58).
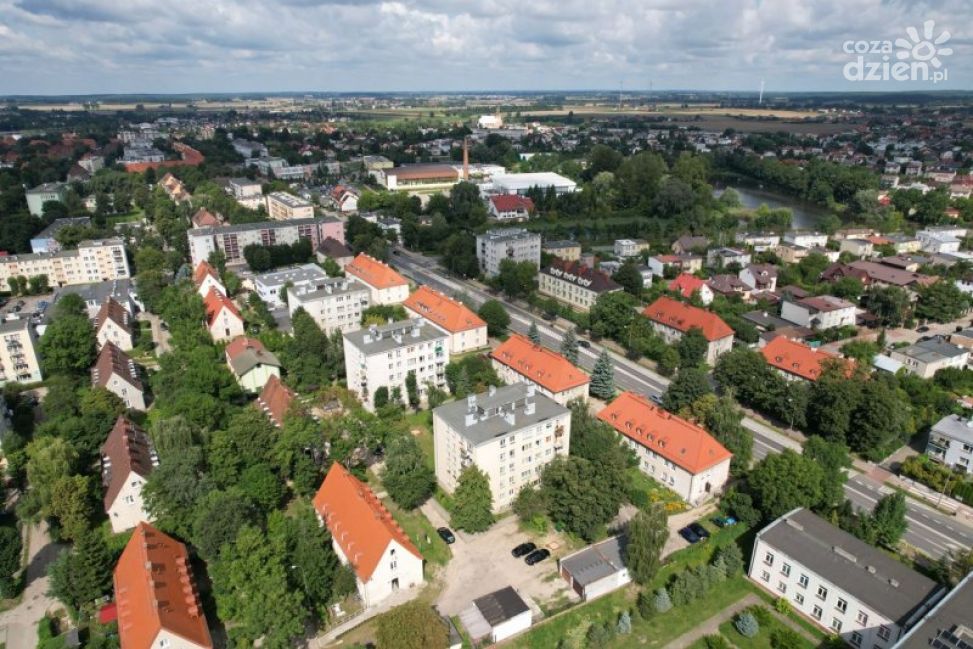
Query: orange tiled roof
point(275, 399)
point(686, 284)
point(795, 358)
point(684, 317)
point(681, 442)
point(203, 269)
point(155, 591)
point(443, 311)
point(216, 302)
point(374, 273)
point(358, 521)
point(548, 369)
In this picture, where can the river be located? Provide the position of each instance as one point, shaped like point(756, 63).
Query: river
point(805, 216)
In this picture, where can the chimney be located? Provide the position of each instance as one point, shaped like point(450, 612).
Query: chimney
point(470, 419)
point(493, 391)
point(530, 408)
point(471, 402)
point(530, 389)
point(466, 158)
point(510, 418)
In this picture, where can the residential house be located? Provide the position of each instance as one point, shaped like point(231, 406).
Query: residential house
point(839, 582)
point(938, 242)
point(672, 319)
point(223, 319)
point(515, 244)
point(760, 277)
point(499, 615)
point(19, 360)
point(518, 359)
point(630, 247)
point(205, 278)
point(366, 537)
point(335, 303)
point(275, 400)
point(806, 239)
point(115, 371)
point(688, 285)
point(510, 207)
point(566, 250)
point(880, 274)
point(251, 363)
point(597, 569)
point(674, 451)
point(857, 247)
point(203, 218)
point(927, 357)
point(46, 239)
point(46, 193)
point(819, 312)
point(271, 286)
point(688, 244)
point(467, 331)
point(685, 263)
point(344, 198)
point(951, 443)
point(757, 241)
point(796, 361)
point(574, 283)
point(154, 569)
point(248, 193)
point(729, 286)
point(510, 433)
point(282, 206)
point(114, 324)
point(127, 459)
point(722, 257)
point(386, 285)
point(335, 250)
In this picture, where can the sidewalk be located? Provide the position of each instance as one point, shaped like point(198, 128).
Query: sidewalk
point(20, 623)
point(325, 639)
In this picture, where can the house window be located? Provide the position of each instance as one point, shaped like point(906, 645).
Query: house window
point(836, 624)
point(862, 618)
point(799, 598)
point(769, 558)
point(164, 642)
point(785, 570)
point(802, 582)
point(841, 605)
point(822, 592)
point(816, 613)
point(781, 586)
point(884, 632)
point(765, 576)
point(856, 638)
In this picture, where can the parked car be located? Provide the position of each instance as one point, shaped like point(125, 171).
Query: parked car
point(657, 398)
point(537, 556)
point(688, 534)
point(699, 531)
point(584, 343)
point(446, 535)
point(523, 549)
point(724, 521)
point(923, 329)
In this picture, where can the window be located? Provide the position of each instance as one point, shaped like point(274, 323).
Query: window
point(863, 618)
point(836, 624)
point(769, 558)
point(799, 598)
point(884, 632)
point(802, 582)
point(841, 605)
point(781, 586)
point(785, 570)
point(765, 576)
point(822, 592)
point(164, 642)
point(856, 638)
point(816, 613)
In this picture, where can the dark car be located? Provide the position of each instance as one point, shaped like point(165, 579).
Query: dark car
point(699, 531)
point(446, 535)
point(537, 556)
point(523, 549)
point(584, 343)
point(688, 534)
point(923, 329)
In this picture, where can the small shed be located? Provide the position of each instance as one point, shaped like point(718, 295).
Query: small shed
point(500, 615)
point(597, 569)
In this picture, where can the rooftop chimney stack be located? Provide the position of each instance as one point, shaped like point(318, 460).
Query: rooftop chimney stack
point(466, 158)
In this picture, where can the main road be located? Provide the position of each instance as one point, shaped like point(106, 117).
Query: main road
point(930, 531)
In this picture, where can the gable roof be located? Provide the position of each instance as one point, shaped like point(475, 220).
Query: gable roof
point(794, 358)
point(203, 269)
point(126, 450)
point(681, 442)
point(544, 367)
point(333, 248)
point(244, 353)
point(574, 272)
point(374, 273)
point(113, 361)
point(359, 522)
point(683, 317)
point(155, 591)
point(512, 203)
point(216, 302)
point(203, 218)
point(112, 310)
point(686, 284)
point(275, 399)
point(443, 311)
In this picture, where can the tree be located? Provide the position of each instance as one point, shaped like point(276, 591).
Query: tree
point(833, 399)
point(72, 504)
point(473, 501)
point(888, 519)
point(747, 624)
point(533, 333)
point(612, 313)
point(263, 486)
point(219, 517)
point(785, 481)
point(516, 278)
point(731, 557)
point(411, 626)
point(692, 348)
point(495, 316)
point(880, 421)
point(84, 573)
point(603, 377)
point(412, 389)
point(833, 459)
point(381, 397)
point(624, 625)
point(689, 385)
point(942, 302)
point(306, 545)
point(68, 344)
point(582, 495)
point(173, 490)
point(10, 550)
point(407, 477)
point(661, 602)
point(48, 459)
point(647, 535)
point(569, 346)
point(721, 417)
point(890, 304)
point(629, 277)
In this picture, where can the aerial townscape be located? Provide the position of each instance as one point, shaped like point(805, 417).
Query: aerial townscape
point(442, 367)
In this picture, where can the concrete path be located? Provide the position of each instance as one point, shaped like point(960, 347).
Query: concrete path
point(159, 335)
point(328, 637)
point(20, 622)
point(712, 625)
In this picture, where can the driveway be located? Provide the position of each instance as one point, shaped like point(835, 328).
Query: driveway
point(159, 335)
point(482, 563)
point(20, 623)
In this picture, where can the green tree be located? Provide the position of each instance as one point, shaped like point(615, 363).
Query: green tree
point(603, 377)
point(48, 459)
point(942, 302)
point(833, 399)
point(888, 519)
point(533, 333)
point(688, 387)
point(833, 459)
point(68, 344)
point(692, 348)
point(629, 277)
point(647, 535)
point(890, 304)
point(784, 481)
point(263, 486)
point(84, 573)
point(72, 503)
point(174, 489)
point(411, 626)
point(881, 420)
point(721, 417)
point(581, 495)
point(612, 314)
point(517, 279)
point(495, 316)
point(569, 346)
point(218, 518)
point(306, 545)
point(381, 397)
point(412, 389)
point(407, 477)
point(10, 551)
point(473, 501)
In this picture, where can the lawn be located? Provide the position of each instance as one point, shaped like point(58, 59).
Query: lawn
point(419, 529)
point(131, 217)
point(762, 639)
point(423, 421)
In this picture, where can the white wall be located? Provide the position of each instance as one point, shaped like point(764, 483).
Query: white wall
point(512, 626)
point(128, 510)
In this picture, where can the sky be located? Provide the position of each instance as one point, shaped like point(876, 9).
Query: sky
point(195, 46)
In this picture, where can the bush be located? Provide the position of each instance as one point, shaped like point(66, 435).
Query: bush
point(747, 624)
point(782, 605)
point(624, 626)
point(716, 642)
point(786, 639)
point(645, 605)
point(731, 557)
point(661, 602)
point(599, 635)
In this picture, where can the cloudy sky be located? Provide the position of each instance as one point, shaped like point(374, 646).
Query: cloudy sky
point(123, 46)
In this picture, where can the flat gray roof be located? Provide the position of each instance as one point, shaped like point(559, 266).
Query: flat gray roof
point(596, 562)
point(259, 225)
point(302, 273)
point(955, 427)
point(949, 625)
point(491, 411)
point(290, 200)
point(932, 350)
point(59, 224)
point(10, 326)
point(508, 234)
point(328, 286)
point(384, 338)
point(863, 571)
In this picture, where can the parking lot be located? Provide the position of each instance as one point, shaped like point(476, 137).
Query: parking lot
point(25, 306)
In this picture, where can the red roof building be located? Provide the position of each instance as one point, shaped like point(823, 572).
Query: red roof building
point(223, 319)
point(519, 359)
point(386, 285)
point(467, 331)
point(796, 360)
point(275, 400)
point(127, 459)
point(686, 285)
point(511, 207)
point(672, 318)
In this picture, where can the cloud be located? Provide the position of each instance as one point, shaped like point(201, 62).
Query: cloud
point(79, 46)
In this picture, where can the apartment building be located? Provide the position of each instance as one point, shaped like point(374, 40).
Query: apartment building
point(519, 360)
point(672, 450)
point(97, 260)
point(839, 582)
point(806, 239)
point(127, 459)
point(951, 443)
point(515, 244)
point(335, 304)
point(282, 206)
point(927, 357)
point(467, 331)
point(386, 285)
point(271, 286)
point(575, 284)
point(757, 241)
point(819, 312)
point(947, 625)
point(115, 371)
point(629, 247)
point(671, 319)
point(248, 193)
point(232, 239)
point(510, 433)
point(19, 362)
point(382, 356)
point(46, 239)
point(564, 249)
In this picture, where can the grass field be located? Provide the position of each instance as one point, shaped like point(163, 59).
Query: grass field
point(419, 529)
point(422, 421)
point(762, 639)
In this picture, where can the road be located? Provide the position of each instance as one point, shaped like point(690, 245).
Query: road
point(929, 531)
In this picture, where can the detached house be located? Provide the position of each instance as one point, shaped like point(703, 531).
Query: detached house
point(517, 359)
point(819, 312)
point(366, 537)
point(275, 400)
point(671, 319)
point(251, 363)
point(119, 374)
point(386, 285)
point(467, 331)
point(795, 361)
point(127, 459)
point(114, 324)
point(223, 319)
point(158, 601)
point(760, 277)
point(205, 277)
point(510, 207)
point(687, 285)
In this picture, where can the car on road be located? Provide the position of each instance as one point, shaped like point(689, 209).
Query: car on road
point(688, 534)
point(724, 521)
point(923, 329)
point(657, 398)
point(446, 535)
point(584, 343)
point(537, 556)
point(699, 531)
point(523, 549)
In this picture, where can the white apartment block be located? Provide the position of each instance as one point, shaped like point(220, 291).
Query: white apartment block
point(271, 286)
point(335, 304)
point(574, 283)
point(45, 193)
point(806, 239)
point(248, 193)
point(232, 239)
point(510, 433)
point(282, 206)
point(820, 312)
point(98, 260)
point(515, 244)
point(951, 442)
point(19, 362)
point(383, 356)
point(629, 247)
point(839, 582)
